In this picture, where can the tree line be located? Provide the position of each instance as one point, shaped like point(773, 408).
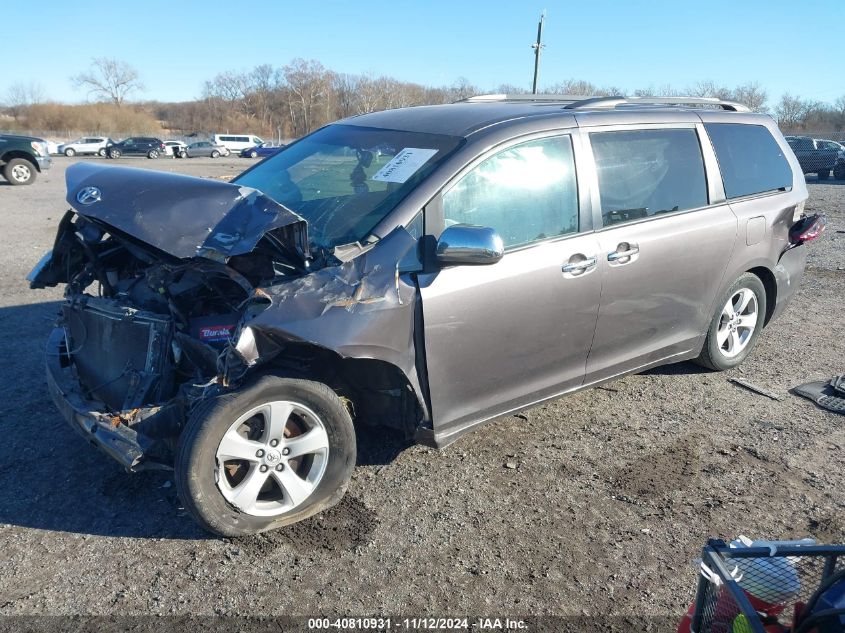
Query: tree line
point(303, 95)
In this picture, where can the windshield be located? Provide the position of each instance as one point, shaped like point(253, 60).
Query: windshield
point(345, 179)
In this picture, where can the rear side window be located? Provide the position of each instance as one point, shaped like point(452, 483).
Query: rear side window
point(646, 172)
point(750, 159)
point(527, 193)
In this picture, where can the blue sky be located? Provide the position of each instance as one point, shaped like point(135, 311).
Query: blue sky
point(784, 45)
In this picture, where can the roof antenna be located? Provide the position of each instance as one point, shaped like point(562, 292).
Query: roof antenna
point(537, 48)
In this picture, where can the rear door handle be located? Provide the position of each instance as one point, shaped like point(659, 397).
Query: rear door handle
point(628, 251)
point(579, 267)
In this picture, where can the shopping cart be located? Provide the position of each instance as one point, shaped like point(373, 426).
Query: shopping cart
point(770, 587)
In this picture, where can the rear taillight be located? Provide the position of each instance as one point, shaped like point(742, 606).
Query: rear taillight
point(807, 229)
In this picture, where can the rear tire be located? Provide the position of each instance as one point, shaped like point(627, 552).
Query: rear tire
point(729, 341)
point(215, 154)
point(839, 172)
point(203, 476)
point(183, 154)
point(253, 154)
point(20, 171)
point(824, 174)
point(153, 153)
point(102, 152)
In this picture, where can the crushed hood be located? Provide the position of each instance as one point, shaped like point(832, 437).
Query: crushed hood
point(182, 215)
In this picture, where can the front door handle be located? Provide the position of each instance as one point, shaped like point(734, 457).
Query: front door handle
point(623, 251)
point(580, 266)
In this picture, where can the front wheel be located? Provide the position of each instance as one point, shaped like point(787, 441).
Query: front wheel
point(19, 171)
point(215, 154)
point(115, 153)
point(102, 152)
point(183, 154)
point(69, 152)
point(271, 453)
point(735, 328)
point(253, 154)
point(839, 171)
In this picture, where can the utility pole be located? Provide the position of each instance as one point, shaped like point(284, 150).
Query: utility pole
point(537, 48)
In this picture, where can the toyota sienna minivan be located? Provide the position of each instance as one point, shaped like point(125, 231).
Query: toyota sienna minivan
point(427, 269)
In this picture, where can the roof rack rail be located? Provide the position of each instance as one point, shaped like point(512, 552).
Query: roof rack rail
point(550, 98)
point(583, 102)
point(612, 102)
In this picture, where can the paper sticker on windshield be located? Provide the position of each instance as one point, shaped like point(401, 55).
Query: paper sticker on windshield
point(404, 165)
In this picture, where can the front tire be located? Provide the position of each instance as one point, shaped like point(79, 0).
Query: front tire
point(269, 454)
point(115, 153)
point(102, 152)
point(253, 154)
point(183, 154)
point(736, 326)
point(215, 154)
point(19, 171)
point(839, 172)
point(70, 152)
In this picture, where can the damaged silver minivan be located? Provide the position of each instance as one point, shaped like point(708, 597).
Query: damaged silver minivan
point(427, 269)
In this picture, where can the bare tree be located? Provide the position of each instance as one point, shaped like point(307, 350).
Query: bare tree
point(751, 95)
point(109, 79)
point(22, 95)
point(791, 111)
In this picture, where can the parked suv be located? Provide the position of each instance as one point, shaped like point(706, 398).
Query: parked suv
point(502, 253)
point(813, 155)
point(137, 145)
point(22, 158)
point(86, 145)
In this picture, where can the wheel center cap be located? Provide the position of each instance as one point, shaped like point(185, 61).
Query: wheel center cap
point(273, 457)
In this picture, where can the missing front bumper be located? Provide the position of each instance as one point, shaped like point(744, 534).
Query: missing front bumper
point(108, 431)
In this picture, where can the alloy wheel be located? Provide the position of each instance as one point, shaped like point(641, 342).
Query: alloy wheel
point(272, 458)
point(737, 323)
point(21, 173)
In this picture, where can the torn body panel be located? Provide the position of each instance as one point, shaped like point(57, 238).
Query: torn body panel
point(364, 308)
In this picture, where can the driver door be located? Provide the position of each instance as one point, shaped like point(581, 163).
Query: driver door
point(503, 336)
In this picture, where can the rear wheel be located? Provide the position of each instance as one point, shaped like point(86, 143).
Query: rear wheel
point(839, 171)
point(70, 152)
point(215, 154)
point(183, 154)
point(735, 328)
point(153, 153)
point(102, 152)
point(253, 154)
point(269, 454)
point(824, 174)
point(19, 171)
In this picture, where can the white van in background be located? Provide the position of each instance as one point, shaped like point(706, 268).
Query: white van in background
point(237, 142)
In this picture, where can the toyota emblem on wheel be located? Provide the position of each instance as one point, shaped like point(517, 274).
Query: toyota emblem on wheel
point(88, 195)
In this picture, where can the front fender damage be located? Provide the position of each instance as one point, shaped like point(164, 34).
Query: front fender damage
point(364, 308)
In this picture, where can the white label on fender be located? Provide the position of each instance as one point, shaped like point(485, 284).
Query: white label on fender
point(404, 164)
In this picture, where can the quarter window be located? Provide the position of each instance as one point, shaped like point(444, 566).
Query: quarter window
point(643, 173)
point(527, 193)
point(750, 159)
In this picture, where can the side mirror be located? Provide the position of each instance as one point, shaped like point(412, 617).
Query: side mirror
point(465, 244)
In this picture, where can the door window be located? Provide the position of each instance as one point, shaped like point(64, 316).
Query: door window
point(527, 193)
point(642, 173)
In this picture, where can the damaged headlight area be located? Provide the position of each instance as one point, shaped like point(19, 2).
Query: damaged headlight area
point(142, 336)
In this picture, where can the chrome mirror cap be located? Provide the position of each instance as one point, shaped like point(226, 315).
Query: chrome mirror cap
point(466, 244)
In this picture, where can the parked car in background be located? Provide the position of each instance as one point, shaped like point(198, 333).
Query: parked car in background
point(53, 147)
point(148, 146)
point(267, 148)
point(22, 158)
point(86, 145)
point(813, 157)
point(839, 167)
point(205, 148)
point(238, 340)
point(237, 142)
point(177, 149)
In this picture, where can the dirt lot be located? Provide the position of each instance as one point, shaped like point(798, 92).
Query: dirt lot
point(597, 503)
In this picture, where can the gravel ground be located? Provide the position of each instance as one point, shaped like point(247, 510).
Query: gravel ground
point(594, 504)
